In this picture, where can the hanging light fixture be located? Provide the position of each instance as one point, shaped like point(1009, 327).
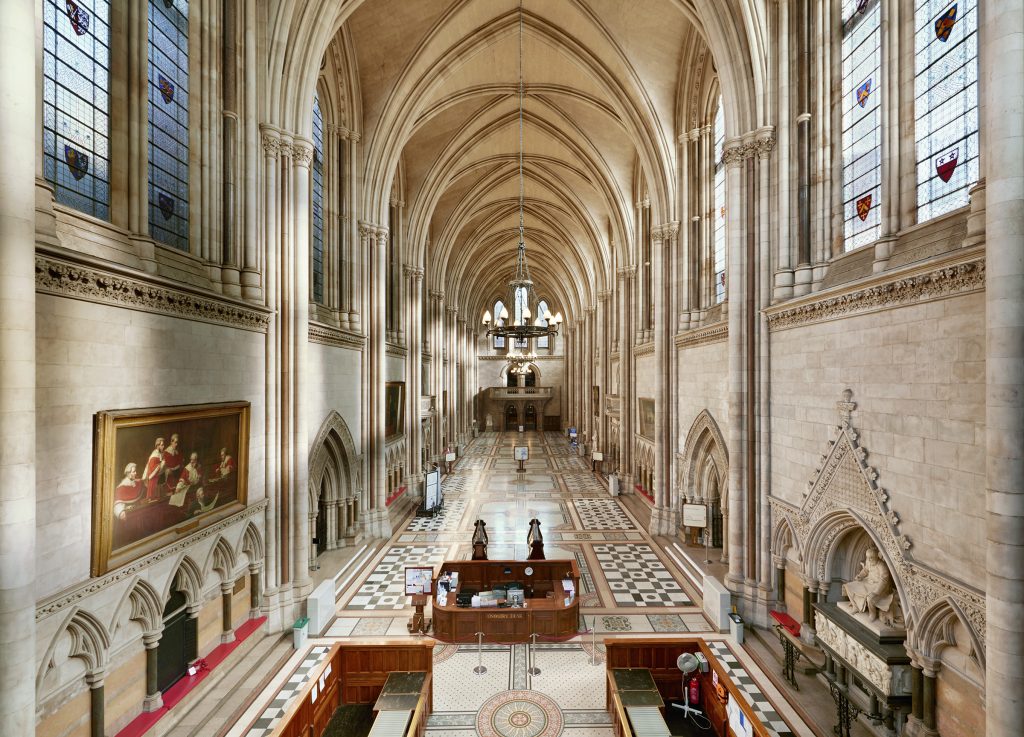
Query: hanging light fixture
point(520, 288)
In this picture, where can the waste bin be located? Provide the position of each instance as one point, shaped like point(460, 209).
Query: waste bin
point(736, 627)
point(300, 631)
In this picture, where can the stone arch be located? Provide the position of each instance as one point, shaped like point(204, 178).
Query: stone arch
point(252, 545)
point(221, 559)
point(936, 630)
point(89, 642)
point(143, 605)
point(334, 474)
point(188, 579)
point(826, 551)
point(783, 538)
point(503, 373)
point(704, 444)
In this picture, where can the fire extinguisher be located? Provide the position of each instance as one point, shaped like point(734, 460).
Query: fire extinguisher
point(693, 690)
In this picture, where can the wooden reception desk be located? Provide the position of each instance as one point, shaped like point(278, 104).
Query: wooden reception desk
point(546, 616)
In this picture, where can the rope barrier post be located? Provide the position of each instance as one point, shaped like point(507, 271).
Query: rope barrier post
point(533, 670)
point(480, 667)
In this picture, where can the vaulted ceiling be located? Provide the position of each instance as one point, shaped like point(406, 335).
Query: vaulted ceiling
point(438, 92)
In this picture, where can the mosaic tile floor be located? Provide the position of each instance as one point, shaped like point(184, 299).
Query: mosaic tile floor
point(627, 588)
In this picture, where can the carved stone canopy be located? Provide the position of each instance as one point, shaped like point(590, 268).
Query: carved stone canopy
point(842, 494)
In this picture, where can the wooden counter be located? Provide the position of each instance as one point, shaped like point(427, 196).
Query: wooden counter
point(547, 617)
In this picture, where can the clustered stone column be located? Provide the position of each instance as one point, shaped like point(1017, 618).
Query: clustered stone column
point(154, 699)
point(18, 124)
point(227, 630)
point(414, 377)
point(1002, 86)
point(376, 240)
point(627, 393)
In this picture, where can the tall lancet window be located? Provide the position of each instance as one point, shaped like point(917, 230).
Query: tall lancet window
point(542, 308)
point(718, 209)
point(499, 340)
point(76, 103)
point(317, 231)
point(945, 103)
point(862, 123)
point(168, 122)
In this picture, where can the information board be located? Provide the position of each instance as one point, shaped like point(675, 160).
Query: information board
point(695, 515)
point(417, 580)
point(598, 455)
point(432, 489)
point(449, 457)
point(521, 452)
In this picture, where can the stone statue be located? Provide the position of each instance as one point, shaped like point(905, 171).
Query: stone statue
point(872, 589)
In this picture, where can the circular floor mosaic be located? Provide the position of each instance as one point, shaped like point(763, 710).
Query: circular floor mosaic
point(519, 714)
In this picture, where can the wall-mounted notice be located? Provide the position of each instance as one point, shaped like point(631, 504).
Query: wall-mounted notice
point(521, 452)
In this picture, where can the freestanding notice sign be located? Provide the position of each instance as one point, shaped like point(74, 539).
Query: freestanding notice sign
point(696, 515)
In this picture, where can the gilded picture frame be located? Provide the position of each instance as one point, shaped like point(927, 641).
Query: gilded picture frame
point(162, 473)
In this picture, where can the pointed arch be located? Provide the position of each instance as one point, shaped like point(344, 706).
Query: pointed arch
point(252, 545)
point(783, 538)
point(143, 605)
point(221, 559)
point(934, 631)
point(188, 579)
point(89, 642)
point(333, 447)
point(704, 442)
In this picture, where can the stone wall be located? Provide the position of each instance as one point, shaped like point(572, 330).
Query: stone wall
point(917, 374)
point(93, 357)
point(701, 383)
point(334, 382)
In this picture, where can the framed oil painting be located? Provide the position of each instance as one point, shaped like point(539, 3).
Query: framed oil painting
point(162, 473)
point(647, 418)
point(394, 408)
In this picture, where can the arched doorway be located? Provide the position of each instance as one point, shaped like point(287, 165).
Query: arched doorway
point(321, 523)
point(530, 422)
point(174, 652)
point(511, 418)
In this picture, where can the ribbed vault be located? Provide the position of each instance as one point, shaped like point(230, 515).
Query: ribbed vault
point(432, 93)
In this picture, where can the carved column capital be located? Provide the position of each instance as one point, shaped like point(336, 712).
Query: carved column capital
point(733, 153)
point(604, 295)
point(271, 140)
point(302, 152)
point(626, 272)
point(382, 236)
point(367, 230)
point(413, 272)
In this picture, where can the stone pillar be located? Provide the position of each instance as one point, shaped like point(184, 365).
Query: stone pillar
point(928, 677)
point(662, 522)
point(738, 380)
point(376, 245)
point(296, 314)
point(227, 631)
point(154, 699)
point(1002, 87)
point(97, 715)
point(414, 376)
point(626, 406)
point(276, 563)
point(916, 692)
point(807, 620)
point(18, 124)
point(254, 590)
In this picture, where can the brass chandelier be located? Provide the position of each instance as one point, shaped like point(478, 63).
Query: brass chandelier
point(520, 288)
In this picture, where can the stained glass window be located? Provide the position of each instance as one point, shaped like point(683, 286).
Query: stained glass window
point(168, 122)
point(718, 205)
point(521, 307)
point(76, 103)
point(542, 308)
point(945, 103)
point(499, 340)
point(862, 129)
point(318, 202)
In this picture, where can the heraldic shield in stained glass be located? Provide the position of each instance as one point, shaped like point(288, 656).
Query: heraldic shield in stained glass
point(78, 16)
point(946, 162)
point(78, 163)
point(166, 204)
point(945, 22)
point(863, 92)
point(864, 207)
point(166, 88)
